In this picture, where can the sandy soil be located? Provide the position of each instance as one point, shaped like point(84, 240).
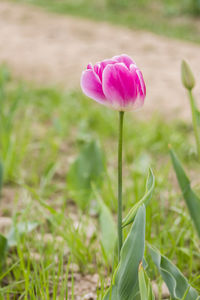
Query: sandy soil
point(52, 49)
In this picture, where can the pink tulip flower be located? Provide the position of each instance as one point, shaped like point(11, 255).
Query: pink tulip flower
point(115, 82)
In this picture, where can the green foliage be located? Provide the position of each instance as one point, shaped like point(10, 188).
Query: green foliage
point(1, 177)
point(87, 168)
point(194, 6)
point(197, 115)
point(125, 281)
point(74, 236)
point(3, 248)
point(108, 231)
point(177, 284)
point(13, 125)
point(146, 292)
point(191, 199)
point(11, 240)
point(18, 230)
point(150, 184)
point(75, 239)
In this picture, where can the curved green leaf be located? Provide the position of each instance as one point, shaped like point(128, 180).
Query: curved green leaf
point(177, 284)
point(125, 282)
point(107, 226)
point(191, 199)
point(150, 184)
point(108, 231)
point(146, 292)
point(87, 168)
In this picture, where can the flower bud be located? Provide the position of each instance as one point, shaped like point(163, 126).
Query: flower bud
point(187, 76)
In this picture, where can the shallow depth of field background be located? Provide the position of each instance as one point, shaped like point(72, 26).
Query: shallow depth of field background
point(56, 238)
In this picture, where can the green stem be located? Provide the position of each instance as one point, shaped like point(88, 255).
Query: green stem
point(195, 122)
point(120, 233)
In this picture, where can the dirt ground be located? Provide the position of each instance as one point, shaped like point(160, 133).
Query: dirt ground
point(52, 49)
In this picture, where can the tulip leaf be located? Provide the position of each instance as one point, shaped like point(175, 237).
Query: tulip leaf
point(125, 285)
point(87, 168)
point(18, 230)
point(190, 197)
point(177, 284)
point(108, 231)
point(107, 226)
point(150, 184)
point(146, 292)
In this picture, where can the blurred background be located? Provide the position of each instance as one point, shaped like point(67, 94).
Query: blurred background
point(44, 47)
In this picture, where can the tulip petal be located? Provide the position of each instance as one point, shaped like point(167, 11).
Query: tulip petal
point(139, 81)
point(119, 85)
point(89, 66)
point(124, 59)
point(99, 67)
point(91, 85)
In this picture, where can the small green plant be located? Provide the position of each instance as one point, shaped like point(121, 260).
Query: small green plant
point(191, 198)
point(87, 168)
point(11, 240)
point(189, 83)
